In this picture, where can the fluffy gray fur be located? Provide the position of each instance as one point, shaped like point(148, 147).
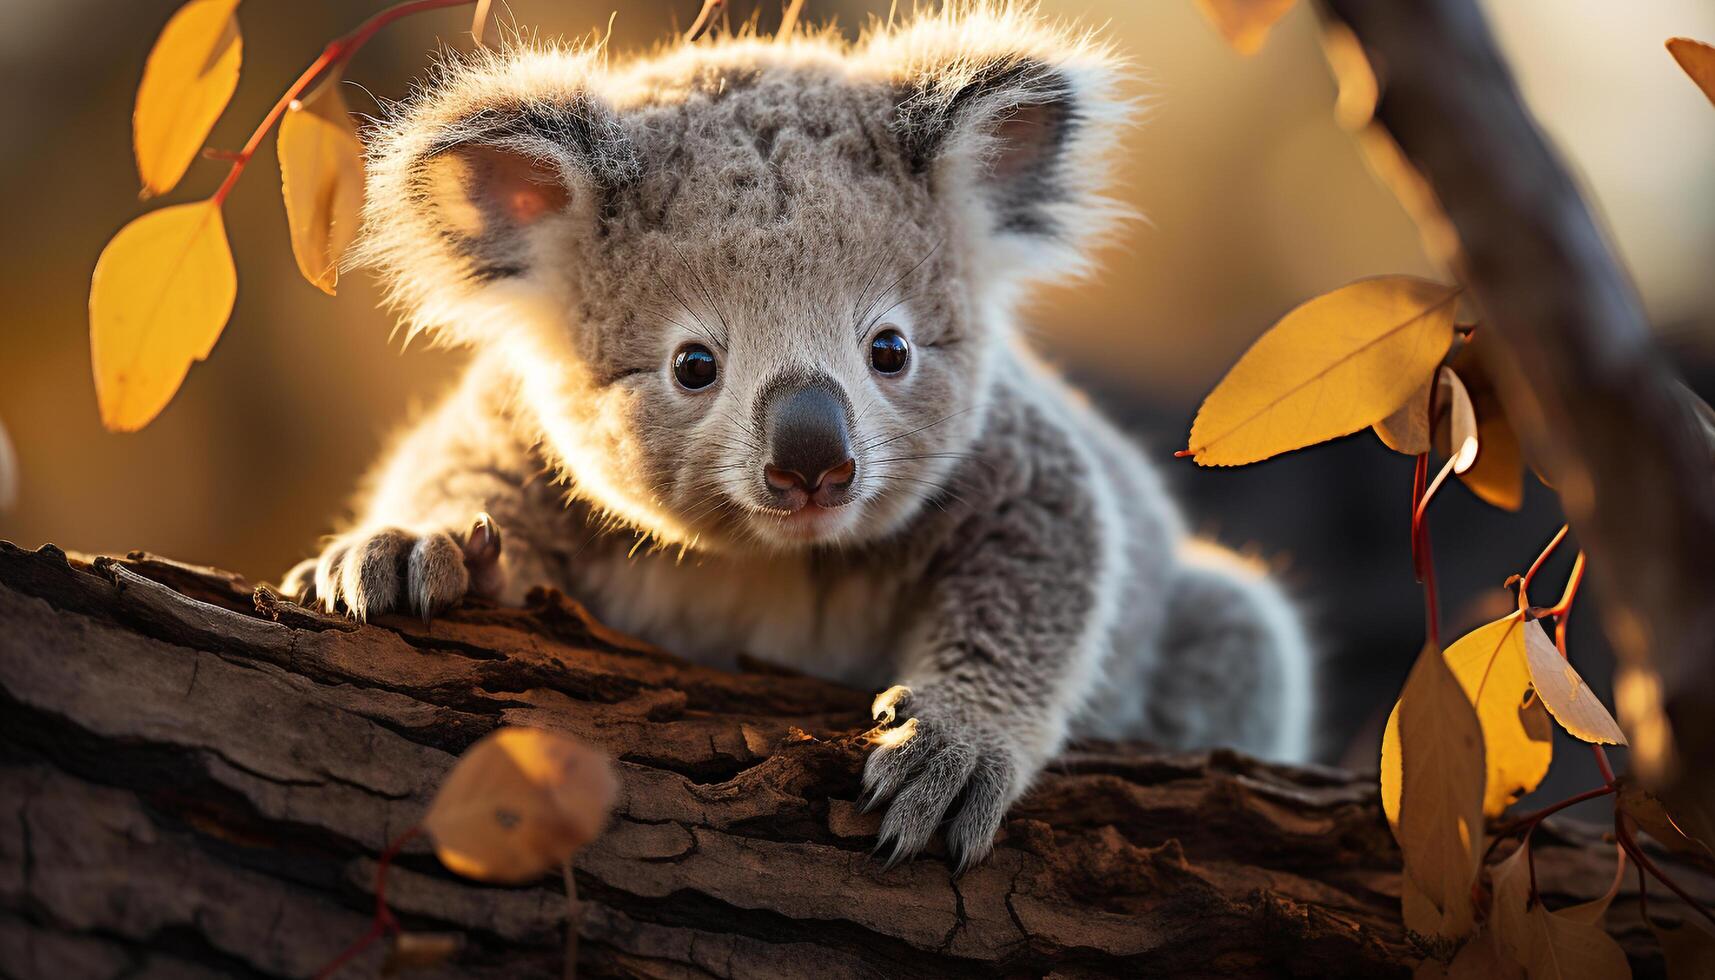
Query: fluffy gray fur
point(1008, 568)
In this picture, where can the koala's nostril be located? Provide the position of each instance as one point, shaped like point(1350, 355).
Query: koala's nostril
point(838, 476)
point(781, 479)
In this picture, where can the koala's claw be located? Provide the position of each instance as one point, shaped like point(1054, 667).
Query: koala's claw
point(935, 764)
point(366, 573)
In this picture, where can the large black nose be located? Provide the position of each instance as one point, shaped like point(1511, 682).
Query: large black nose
point(809, 443)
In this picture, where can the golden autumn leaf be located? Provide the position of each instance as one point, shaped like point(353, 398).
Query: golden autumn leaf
point(1698, 60)
point(1489, 663)
point(519, 802)
point(321, 179)
point(1651, 814)
point(162, 291)
point(187, 81)
point(1244, 23)
point(1440, 827)
point(1407, 429)
point(1568, 698)
point(1339, 363)
point(1497, 476)
point(1689, 949)
point(1549, 945)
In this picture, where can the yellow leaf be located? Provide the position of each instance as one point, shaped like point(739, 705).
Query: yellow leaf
point(160, 296)
point(1651, 813)
point(1568, 698)
point(187, 81)
point(1407, 429)
point(1441, 792)
point(1689, 949)
point(1490, 665)
point(1497, 477)
point(1339, 363)
point(1244, 23)
point(1698, 60)
point(519, 802)
point(321, 178)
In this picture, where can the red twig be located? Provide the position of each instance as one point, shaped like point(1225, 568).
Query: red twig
point(338, 52)
point(1425, 555)
point(383, 921)
point(1535, 817)
point(1602, 763)
point(1637, 853)
point(1419, 478)
point(1560, 609)
point(1536, 566)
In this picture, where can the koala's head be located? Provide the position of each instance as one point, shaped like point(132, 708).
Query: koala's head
point(753, 291)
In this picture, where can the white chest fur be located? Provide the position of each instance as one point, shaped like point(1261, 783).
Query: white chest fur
point(838, 625)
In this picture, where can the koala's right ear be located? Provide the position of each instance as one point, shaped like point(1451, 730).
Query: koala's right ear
point(496, 174)
point(481, 191)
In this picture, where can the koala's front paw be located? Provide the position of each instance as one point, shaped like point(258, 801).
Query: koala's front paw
point(365, 573)
point(942, 754)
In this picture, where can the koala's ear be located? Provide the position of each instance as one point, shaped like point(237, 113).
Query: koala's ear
point(480, 191)
point(1003, 112)
point(484, 181)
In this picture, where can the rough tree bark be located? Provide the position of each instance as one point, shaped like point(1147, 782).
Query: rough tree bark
point(1599, 407)
point(197, 778)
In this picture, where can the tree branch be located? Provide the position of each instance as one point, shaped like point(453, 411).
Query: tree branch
point(196, 776)
point(1612, 425)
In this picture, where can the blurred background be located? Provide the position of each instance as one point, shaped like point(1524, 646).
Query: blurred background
point(1256, 200)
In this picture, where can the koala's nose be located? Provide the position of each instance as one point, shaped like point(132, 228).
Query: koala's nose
point(810, 453)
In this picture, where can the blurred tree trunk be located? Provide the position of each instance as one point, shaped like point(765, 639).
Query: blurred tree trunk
point(197, 779)
point(1609, 421)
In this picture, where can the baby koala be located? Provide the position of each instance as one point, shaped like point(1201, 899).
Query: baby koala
point(746, 377)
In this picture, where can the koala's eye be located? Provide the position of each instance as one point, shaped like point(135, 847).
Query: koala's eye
point(694, 366)
point(888, 352)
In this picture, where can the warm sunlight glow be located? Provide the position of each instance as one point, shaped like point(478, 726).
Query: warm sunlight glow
point(1467, 455)
point(893, 738)
point(882, 708)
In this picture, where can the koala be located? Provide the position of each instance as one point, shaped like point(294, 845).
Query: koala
point(746, 376)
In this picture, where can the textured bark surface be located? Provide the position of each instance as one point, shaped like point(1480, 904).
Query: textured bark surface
point(196, 778)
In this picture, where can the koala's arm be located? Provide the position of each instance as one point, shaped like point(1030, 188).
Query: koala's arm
point(1011, 621)
point(418, 544)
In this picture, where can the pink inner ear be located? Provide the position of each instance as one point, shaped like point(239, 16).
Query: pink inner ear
point(521, 187)
point(1024, 138)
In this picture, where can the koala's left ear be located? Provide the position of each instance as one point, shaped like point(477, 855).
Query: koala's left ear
point(1013, 121)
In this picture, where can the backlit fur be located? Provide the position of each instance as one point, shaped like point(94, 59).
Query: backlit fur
point(1008, 556)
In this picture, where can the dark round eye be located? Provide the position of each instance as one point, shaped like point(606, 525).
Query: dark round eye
point(694, 366)
point(888, 351)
